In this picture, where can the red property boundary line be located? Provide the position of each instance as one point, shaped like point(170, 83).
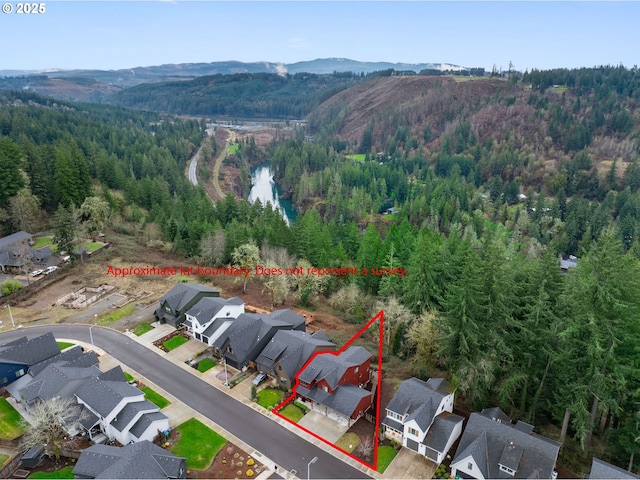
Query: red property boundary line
point(379, 316)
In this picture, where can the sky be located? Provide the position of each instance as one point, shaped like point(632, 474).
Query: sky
point(126, 34)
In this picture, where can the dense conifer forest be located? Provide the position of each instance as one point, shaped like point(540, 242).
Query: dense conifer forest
point(491, 181)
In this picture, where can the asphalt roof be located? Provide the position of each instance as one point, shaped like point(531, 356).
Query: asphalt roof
point(129, 412)
point(344, 400)
point(331, 367)
point(103, 396)
point(145, 420)
point(603, 470)
point(207, 308)
point(66, 356)
point(413, 393)
point(29, 352)
point(183, 293)
point(57, 380)
point(292, 349)
point(13, 238)
point(139, 460)
point(491, 442)
point(441, 430)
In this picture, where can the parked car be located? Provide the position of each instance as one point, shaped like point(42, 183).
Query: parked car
point(50, 269)
point(259, 379)
point(35, 273)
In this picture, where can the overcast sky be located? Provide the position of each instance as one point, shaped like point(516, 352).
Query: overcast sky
point(118, 34)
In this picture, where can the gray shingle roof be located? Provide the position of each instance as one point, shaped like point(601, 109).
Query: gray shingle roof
point(331, 367)
point(423, 415)
point(13, 238)
point(441, 430)
point(57, 381)
point(130, 411)
point(183, 293)
point(29, 352)
point(104, 396)
point(291, 349)
point(139, 460)
point(66, 356)
point(251, 331)
point(145, 420)
point(491, 442)
point(207, 308)
point(603, 470)
point(413, 393)
point(344, 400)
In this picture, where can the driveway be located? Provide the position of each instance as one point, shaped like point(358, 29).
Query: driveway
point(410, 465)
point(284, 447)
point(323, 426)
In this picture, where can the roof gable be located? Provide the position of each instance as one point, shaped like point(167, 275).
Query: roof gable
point(30, 352)
point(538, 454)
point(413, 393)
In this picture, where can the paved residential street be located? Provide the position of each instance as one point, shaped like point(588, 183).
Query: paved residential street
point(284, 447)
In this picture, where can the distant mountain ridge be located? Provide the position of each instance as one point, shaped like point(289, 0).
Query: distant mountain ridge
point(160, 73)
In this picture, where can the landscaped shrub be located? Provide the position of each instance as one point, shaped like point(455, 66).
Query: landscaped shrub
point(250, 462)
point(9, 286)
point(250, 473)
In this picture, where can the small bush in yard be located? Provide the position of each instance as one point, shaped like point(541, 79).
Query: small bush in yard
point(249, 473)
point(9, 286)
point(250, 462)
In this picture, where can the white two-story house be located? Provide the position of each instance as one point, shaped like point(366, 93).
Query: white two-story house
point(420, 417)
point(211, 316)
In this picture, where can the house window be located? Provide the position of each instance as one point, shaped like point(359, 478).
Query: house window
point(4, 380)
point(356, 370)
point(469, 466)
point(229, 349)
point(324, 388)
point(413, 431)
point(20, 372)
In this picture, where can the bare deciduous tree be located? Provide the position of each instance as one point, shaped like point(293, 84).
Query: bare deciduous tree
point(51, 422)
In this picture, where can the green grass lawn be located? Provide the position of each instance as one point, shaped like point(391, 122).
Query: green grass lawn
point(117, 314)
point(9, 421)
point(155, 397)
point(142, 329)
point(66, 472)
point(385, 455)
point(301, 406)
point(91, 246)
point(175, 342)
point(205, 364)
point(348, 442)
point(233, 149)
point(198, 443)
point(292, 412)
point(3, 458)
point(43, 242)
point(358, 157)
point(269, 398)
point(128, 376)
point(63, 345)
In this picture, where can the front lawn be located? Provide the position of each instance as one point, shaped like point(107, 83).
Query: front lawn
point(142, 329)
point(206, 364)
point(292, 412)
point(348, 442)
point(66, 472)
point(174, 342)
point(63, 345)
point(269, 398)
point(198, 443)
point(155, 397)
point(10, 427)
point(3, 458)
point(128, 376)
point(385, 456)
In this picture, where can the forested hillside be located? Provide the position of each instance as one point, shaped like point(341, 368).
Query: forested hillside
point(488, 181)
point(245, 95)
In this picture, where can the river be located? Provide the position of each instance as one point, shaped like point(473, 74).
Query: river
point(264, 188)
